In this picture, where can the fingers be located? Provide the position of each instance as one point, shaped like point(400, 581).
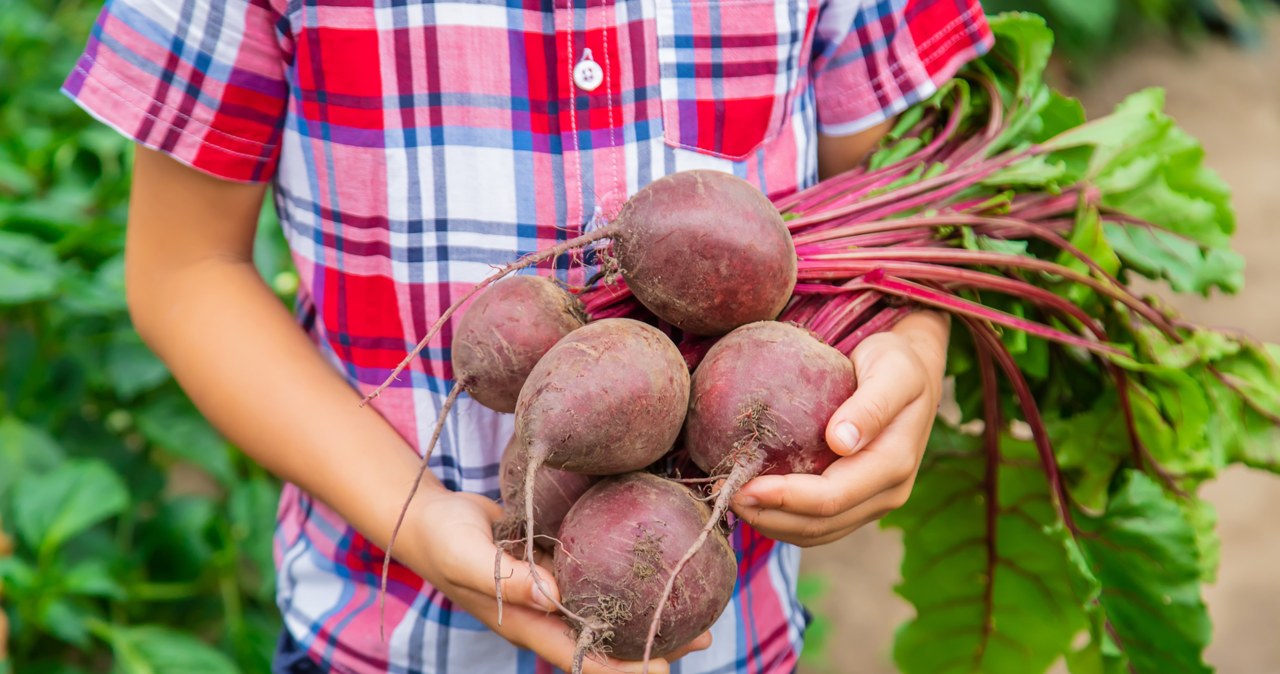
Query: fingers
point(890, 376)
point(474, 564)
point(701, 643)
point(806, 531)
point(890, 461)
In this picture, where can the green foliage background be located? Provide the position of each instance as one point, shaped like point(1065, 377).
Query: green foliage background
point(133, 538)
point(1088, 33)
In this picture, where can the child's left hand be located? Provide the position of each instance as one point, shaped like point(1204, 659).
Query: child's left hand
point(899, 375)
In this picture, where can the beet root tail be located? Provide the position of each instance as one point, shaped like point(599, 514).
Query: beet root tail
point(743, 471)
point(404, 510)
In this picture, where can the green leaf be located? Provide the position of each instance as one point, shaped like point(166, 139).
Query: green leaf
point(66, 622)
point(1037, 172)
point(1026, 40)
point(29, 270)
point(92, 578)
point(1135, 122)
point(1089, 238)
point(1166, 182)
point(179, 541)
point(1090, 447)
point(897, 152)
point(17, 574)
point(151, 649)
point(99, 294)
point(1203, 519)
point(1175, 442)
point(24, 451)
point(252, 507)
point(1246, 431)
point(131, 366)
point(176, 426)
point(1148, 168)
point(1188, 268)
point(14, 179)
point(1143, 554)
point(257, 641)
point(1100, 655)
point(985, 576)
point(1059, 113)
point(51, 508)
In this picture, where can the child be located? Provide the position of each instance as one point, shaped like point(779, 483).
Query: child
point(411, 145)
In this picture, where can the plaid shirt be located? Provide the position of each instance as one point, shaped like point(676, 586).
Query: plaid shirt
point(413, 144)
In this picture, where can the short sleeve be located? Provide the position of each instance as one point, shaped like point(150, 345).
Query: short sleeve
point(874, 58)
point(201, 80)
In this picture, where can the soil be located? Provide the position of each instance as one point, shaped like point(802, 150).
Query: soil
point(1229, 98)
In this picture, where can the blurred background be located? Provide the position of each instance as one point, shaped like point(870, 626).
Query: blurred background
point(134, 539)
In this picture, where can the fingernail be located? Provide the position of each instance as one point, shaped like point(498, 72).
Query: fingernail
point(747, 501)
point(847, 437)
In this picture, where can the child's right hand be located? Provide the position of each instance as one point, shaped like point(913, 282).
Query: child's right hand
point(455, 553)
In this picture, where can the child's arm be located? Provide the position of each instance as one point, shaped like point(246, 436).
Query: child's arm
point(199, 303)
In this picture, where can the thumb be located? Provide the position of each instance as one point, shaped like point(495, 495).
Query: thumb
point(889, 377)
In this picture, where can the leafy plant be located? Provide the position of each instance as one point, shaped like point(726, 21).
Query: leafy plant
point(132, 536)
point(1072, 516)
point(1092, 32)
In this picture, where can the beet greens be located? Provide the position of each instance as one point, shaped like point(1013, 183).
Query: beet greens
point(1073, 511)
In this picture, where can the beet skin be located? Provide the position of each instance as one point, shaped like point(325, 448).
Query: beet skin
point(772, 385)
point(706, 251)
point(501, 336)
point(554, 493)
point(608, 398)
point(619, 544)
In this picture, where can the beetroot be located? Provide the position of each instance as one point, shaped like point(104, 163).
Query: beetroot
point(501, 336)
point(760, 403)
point(554, 493)
point(619, 543)
point(763, 396)
point(608, 398)
point(706, 252)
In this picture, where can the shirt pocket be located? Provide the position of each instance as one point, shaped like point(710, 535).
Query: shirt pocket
point(729, 70)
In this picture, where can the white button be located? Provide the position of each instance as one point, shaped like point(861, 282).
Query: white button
point(587, 74)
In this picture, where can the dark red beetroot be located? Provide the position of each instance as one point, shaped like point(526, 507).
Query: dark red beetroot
point(619, 543)
point(760, 403)
point(706, 251)
point(501, 336)
point(608, 398)
point(554, 493)
point(763, 396)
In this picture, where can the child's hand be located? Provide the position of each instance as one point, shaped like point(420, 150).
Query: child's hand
point(881, 433)
point(456, 555)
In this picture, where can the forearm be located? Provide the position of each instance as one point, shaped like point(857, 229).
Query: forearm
point(201, 306)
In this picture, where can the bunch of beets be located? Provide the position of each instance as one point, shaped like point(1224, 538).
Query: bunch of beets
point(718, 322)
